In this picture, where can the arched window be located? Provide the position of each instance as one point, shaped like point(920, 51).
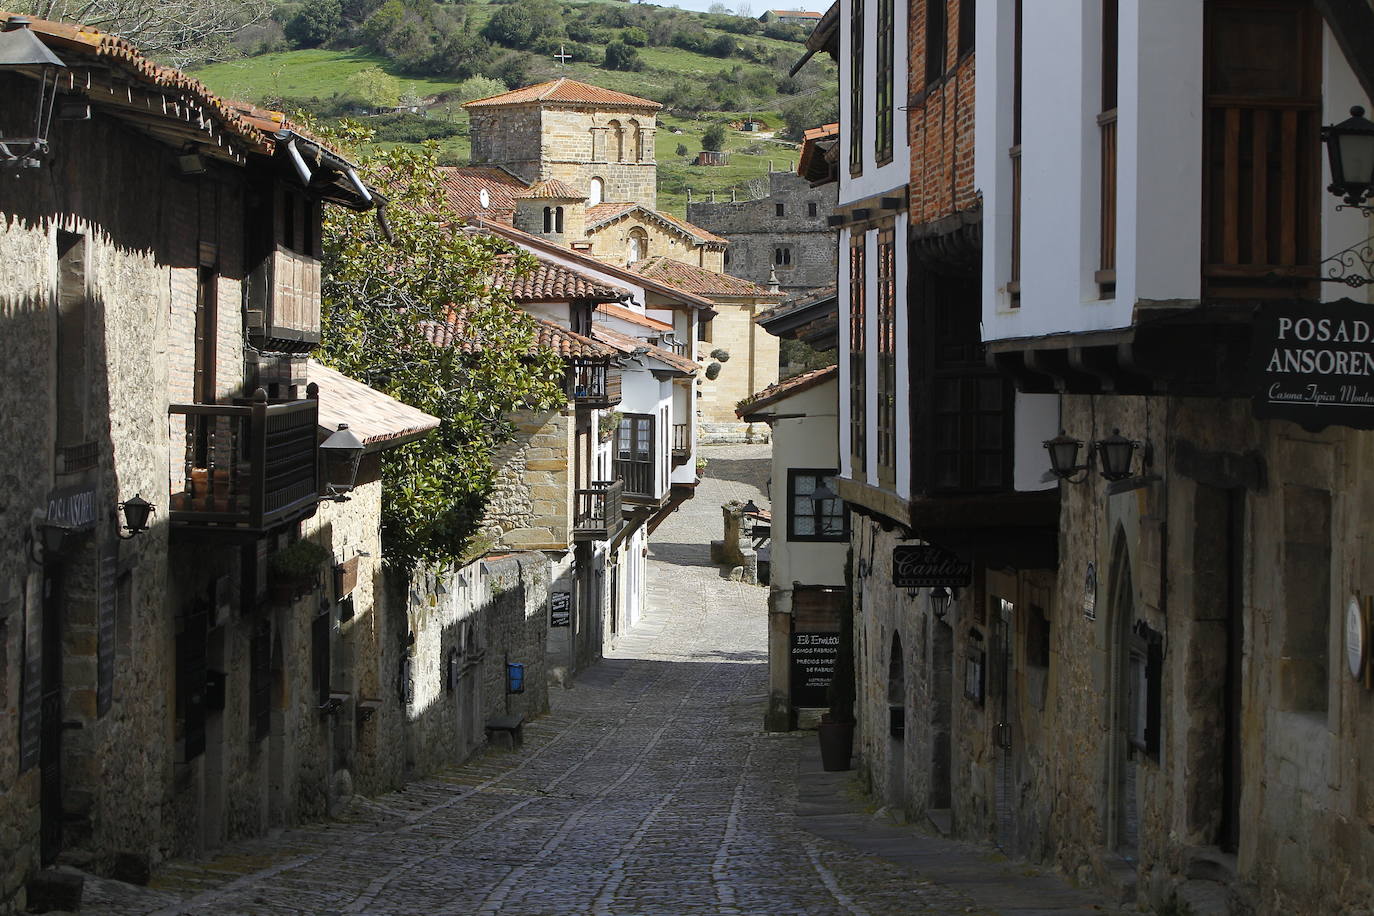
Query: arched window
point(638, 245)
point(596, 192)
point(558, 220)
point(617, 140)
point(548, 219)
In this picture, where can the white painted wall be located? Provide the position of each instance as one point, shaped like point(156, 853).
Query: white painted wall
point(896, 173)
point(1037, 419)
point(809, 442)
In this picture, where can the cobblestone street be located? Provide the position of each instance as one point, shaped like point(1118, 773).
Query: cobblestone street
point(650, 789)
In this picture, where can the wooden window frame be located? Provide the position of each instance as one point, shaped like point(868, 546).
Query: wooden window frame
point(792, 476)
point(887, 355)
point(633, 422)
point(856, 88)
point(885, 83)
point(858, 320)
point(937, 40)
point(968, 26)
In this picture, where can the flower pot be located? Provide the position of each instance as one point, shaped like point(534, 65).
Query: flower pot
point(837, 745)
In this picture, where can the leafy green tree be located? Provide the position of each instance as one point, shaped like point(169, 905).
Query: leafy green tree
point(620, 56)
point(317, 22)
point(805, 112)
point(636, 37)
point(682, 149)
point(479, 87)
point(722, 46)
point(383, 298)
point(713, 138)
point(524, 24)
point(374, 87)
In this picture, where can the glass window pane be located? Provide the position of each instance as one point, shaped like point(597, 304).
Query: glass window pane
point(804, 525)
point(805, 483)
point(801, 505)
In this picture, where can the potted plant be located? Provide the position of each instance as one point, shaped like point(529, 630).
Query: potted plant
point(836, 728)
point(608, 424)
point(295, 570)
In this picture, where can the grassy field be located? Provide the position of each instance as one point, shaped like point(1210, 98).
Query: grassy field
point(315, 76)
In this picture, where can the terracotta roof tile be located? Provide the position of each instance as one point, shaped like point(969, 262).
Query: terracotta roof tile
point(786, 388)
point(548, 336)
point(796, 14)
point(378, 419)
point(551, 282)
point(627, 344)
point(565, 90)
point(603, 212)
point(464, 185)
point(552, 189)
point(630, 315)
point(699, 280)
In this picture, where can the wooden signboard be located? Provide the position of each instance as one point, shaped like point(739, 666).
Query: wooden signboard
point(1313, 364)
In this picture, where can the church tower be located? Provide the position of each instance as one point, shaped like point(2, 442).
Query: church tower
point(597, 141)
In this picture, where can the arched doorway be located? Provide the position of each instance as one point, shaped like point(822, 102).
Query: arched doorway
point(896, 710)
point(1123, 764)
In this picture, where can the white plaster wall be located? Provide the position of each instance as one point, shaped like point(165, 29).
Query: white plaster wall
point(808, 442)
point(896, 173)
point(992, 166)
point(1037, 419)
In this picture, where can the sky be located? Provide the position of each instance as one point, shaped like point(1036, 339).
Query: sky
point(756, 6)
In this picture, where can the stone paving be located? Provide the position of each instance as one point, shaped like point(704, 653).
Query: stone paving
point(650, 789)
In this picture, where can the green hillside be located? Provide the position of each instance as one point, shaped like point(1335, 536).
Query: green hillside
point(697, 89)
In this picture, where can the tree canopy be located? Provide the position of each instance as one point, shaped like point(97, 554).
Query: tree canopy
point(382, 300)
point(179, 32)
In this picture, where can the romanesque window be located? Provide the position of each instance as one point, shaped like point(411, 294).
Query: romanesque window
point(782, 257)
point(638, 245)
point(856, 88)
point(882, 102)
point(887, 354)
point(857, 369)
point(596, 192)
point(558, 220)
point(548, 220)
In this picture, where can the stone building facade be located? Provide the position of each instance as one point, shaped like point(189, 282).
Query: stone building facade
point(782, 236)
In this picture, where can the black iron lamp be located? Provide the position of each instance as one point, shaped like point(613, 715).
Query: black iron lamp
point(1115, 453)
point(341, 453)
point(1350, 148)
point(940, 600)
point(819, 497)
point(22, 52)
point(1063, 450)
point(749, 517)
point(136, 512)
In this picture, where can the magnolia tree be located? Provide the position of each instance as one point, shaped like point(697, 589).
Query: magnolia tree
point(384, 298)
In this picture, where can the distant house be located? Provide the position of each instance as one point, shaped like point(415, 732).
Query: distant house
point(805, 17)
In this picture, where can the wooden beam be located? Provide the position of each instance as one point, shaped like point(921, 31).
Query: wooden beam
point(1352, 23)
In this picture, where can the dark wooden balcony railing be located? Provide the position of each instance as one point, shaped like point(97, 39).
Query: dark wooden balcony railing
point(1261, 228)
point(593, 385)
point(1106, 262)
point(638, 477)
point(598, 515)
point(247, 468)
point(284, 300)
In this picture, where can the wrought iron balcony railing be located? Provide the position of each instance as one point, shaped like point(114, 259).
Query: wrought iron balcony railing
point(247, 467)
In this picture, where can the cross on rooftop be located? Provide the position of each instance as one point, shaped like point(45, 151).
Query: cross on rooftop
point(563, 56)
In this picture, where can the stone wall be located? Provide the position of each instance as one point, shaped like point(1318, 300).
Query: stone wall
point(755, 229)
point(530, 506)
point(611, 243)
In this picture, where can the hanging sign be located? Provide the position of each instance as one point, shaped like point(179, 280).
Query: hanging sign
point(813, 666)
point(560, 609)
point(928, 566)
point(72, 508)
point(1313, 364)
point(1355, 638)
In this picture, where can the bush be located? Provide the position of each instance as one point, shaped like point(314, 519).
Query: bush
point(524, 24)
point(786, 31)
point(713, 138)
point(317, 22)
point(478, 87)
point(806, 112)
point(635, 37)
point(682, 150)
point(723, 46)
point(620, 56)
point(404, 127)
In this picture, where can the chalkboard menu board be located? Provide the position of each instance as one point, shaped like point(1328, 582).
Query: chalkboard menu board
point(105, 632)
point(813, 657)
point(31, 696)
point(560, 609)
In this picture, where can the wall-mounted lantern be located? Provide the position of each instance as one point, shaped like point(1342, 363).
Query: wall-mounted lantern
point(1350, 149)
point(515, 677)
point(1063, 450)
point(341, 453)
point(1115, 452)
point(940, 600)
point(136, 512)
point(1114, 455)
point(22, 52)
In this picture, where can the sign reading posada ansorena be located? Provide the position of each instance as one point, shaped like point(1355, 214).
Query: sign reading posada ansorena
point(1313, 363)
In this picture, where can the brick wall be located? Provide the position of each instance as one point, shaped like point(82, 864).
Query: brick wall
point(940, 125)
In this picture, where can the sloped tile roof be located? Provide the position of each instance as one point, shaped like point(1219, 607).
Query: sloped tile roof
point(626, 345)
point(378, 419)
point(463, 185)
point(603, 214)
point(630, 315)
point(551, 282)
point(565, 90)
point(796, 14)
point(552, 189)
point(699, 280)
point(785, 389)
point(548, 336)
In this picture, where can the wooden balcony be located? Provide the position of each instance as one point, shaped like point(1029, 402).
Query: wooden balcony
point(1261, 215)
point(598, 511)
point(638, 477)
point(593, 385)
point(283, 309)
point(682, 443)
point(247, 468)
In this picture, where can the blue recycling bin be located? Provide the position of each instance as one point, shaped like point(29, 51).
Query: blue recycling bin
point(515, 677)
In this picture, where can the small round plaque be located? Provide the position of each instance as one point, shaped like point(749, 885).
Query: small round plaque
point(1354, 637)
